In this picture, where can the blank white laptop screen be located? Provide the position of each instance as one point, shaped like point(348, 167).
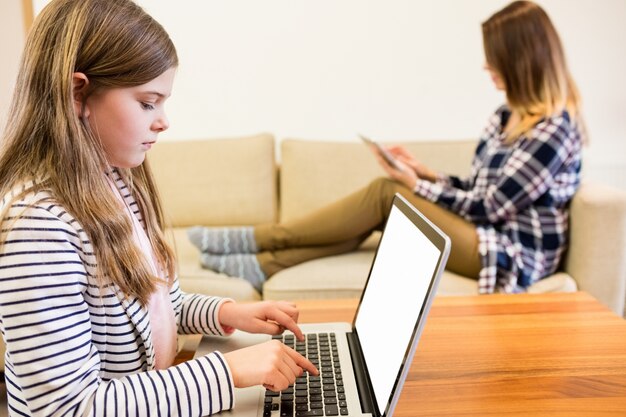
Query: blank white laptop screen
point(397, 286)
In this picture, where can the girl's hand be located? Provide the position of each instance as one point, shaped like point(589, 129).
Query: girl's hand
point(270, 317)
point(271, 364)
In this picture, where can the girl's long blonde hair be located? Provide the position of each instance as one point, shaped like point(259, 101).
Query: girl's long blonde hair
point(115, 44)
point(523, 47)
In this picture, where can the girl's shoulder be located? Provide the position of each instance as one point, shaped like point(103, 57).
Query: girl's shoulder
point(28, 191)
point(24, 193)
point(30, 198)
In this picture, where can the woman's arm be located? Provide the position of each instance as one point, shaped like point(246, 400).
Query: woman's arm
point(465, 183)
point(414, 170)
point(527, 175)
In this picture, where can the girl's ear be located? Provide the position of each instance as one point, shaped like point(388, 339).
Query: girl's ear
point(80, 84)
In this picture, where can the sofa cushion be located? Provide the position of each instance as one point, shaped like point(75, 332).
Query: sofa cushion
point(340, 276)
point(315, 173)
point(454, 284)
point(344, 276)
point(217, 182)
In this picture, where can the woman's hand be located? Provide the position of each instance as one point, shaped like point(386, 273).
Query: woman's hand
point(406, 174)
point(271, 364)
point(270, 317)
point(403, 155)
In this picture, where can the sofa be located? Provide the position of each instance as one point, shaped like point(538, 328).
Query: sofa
point(256, 179)
point(248, 180)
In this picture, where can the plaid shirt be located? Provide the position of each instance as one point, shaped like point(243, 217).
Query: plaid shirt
point(517, 195)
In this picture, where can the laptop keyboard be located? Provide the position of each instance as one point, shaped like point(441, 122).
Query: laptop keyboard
point(321, 395)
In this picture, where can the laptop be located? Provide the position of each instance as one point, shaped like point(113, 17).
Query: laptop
point(362, 365)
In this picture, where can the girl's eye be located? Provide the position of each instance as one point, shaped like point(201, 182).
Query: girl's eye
point(147, 106)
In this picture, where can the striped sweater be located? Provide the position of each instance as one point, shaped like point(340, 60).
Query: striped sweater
point(74, 349)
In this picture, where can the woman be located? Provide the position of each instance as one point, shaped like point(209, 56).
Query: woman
point(508, 220)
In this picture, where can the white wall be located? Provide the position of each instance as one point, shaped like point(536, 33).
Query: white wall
point(11, 44)
point(393, 69)
point(326, 69)
point(402, 69)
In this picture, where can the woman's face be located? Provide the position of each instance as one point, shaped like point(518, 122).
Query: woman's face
point(495, 77)
point(128, 120)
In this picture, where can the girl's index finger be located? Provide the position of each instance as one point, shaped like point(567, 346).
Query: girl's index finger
point(302, 362)
point(285, 320)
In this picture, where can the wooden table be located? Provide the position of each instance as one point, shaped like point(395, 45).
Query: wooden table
point(498, 355)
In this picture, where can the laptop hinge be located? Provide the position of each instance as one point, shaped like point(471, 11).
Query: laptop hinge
point(364, 386)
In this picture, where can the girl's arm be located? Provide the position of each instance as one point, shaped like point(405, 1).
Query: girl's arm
point(198, 314)
point(71, 349)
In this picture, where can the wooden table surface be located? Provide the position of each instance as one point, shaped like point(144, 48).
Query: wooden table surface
point(501, 355)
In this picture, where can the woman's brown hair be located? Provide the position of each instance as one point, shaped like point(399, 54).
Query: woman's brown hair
point(523, 47)
point(115, 44)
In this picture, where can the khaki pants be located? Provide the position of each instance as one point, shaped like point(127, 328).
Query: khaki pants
point(343, 225)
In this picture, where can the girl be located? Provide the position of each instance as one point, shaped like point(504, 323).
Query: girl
point(89, 300)
point(507, 221)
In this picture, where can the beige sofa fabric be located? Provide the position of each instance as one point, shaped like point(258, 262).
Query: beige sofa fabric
point(597, 255)
point(315, 173)
point(218, 182)
point(341, 276)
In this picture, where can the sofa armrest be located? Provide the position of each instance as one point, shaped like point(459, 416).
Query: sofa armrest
point(597, 252)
